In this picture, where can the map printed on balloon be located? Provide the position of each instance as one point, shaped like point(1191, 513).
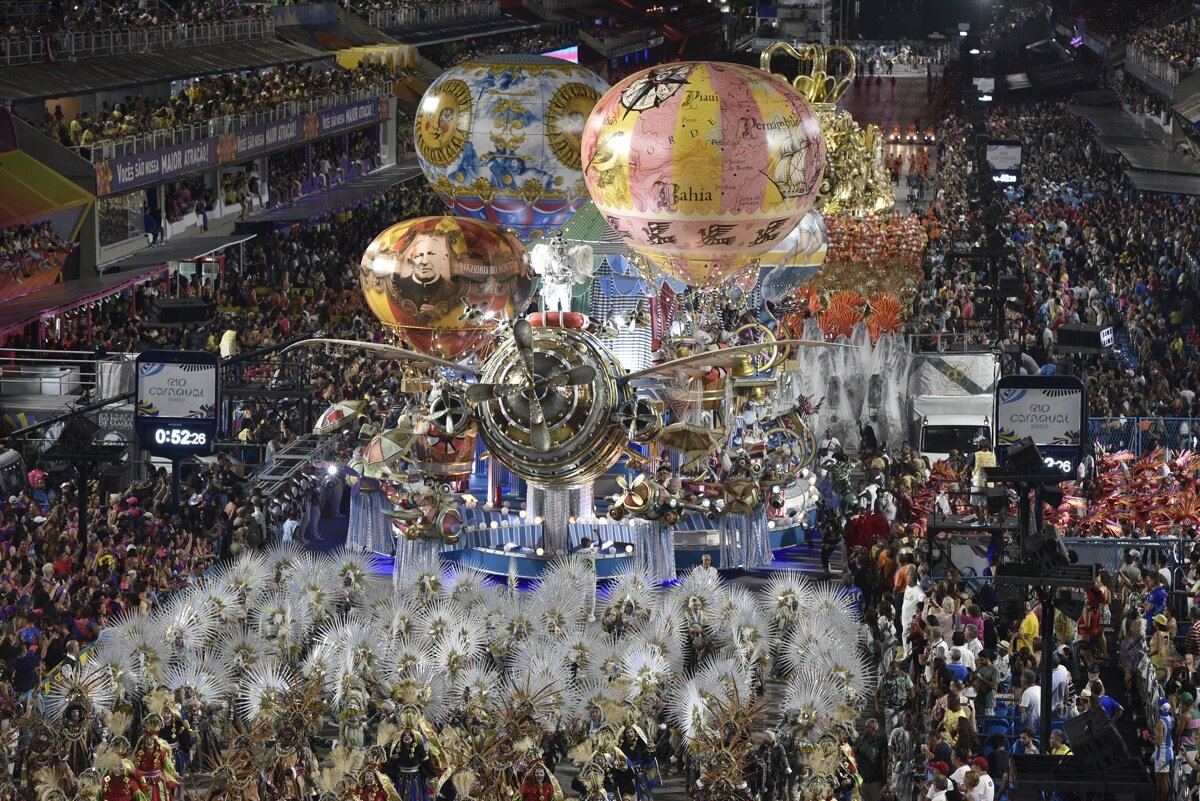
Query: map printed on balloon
point(703, 167)
point(498, 139)
point(444, 283)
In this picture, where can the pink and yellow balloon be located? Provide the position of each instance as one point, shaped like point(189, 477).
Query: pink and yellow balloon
point(702, 167)
point(443, 283)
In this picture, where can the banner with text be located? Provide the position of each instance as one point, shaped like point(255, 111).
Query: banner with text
point(351, 115)
point(176, 391)
point(145, 169)
point(125, 173)
point(262, 139)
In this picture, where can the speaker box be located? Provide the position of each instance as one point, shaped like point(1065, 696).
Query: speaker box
point(174, 312)
point(1009, 286)
point(1011, 600)
point(1045, 553)
point(1095, 740)
point(1077, 337)
point(1071, 603)
point(78, 433)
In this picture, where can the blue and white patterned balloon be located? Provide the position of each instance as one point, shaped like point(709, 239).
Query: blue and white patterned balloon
point(498, 139)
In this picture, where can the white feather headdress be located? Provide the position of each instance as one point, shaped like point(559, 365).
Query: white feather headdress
point(89, 685)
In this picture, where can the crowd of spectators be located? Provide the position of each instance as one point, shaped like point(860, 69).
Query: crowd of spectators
point(210, 98)
point(883, 57)
point(961, 670)
point(960, 674)
point(56, 592)
point(67, 17)
point(418, 7)
point(327, 163)
point(27, 244)
point(1176, 43)
point(449, 54)
point(1138, 98)
point(1116, 18)
point(1090, 249)
point(363, 151)
point(1014, 18)
point(187, 195)
point(287, 172)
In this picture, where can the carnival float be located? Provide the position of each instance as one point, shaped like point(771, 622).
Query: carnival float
point(657, 405)
point(659, 399)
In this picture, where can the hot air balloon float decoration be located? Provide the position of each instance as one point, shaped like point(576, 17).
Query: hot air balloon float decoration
point(702, 167)
point(498, 139)
point(706, 172)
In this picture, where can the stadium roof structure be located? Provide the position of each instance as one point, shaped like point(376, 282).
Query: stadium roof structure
point(18, 313)
point(183, 249)
point(457, 31)
point(1165, 183)
point(32, 191)
point(339, 198)
point(42, 81)
point(1154, 157)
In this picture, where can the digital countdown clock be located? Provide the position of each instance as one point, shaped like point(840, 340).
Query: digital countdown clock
point(177, 395)
point(180, 436)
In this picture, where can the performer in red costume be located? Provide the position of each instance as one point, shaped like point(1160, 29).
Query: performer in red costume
point(539, 785)
point(152, 761)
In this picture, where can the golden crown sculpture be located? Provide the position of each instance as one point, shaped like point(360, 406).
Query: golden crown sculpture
point(856, 181)
point(818, 87)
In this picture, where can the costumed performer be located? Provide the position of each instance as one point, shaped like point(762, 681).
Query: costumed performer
point(153, 762)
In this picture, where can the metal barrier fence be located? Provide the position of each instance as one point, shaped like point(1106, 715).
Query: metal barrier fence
point(71, 46)
point(156, 140)
point(69, 374)
point(950, 342)
point(1152, 65)
point(1143, 434)
point(393, 19)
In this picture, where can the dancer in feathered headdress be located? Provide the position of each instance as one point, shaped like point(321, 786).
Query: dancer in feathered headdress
point(629, 601)
point(315, 582)
point(118, 777)
point(465, 586)
point(186, 625)
point(283, 622)
point(639, 776)
point(136, 643)
point(235, 776)
point(424, 579)
point(409, 766)
point(203, 687)
point(293, 771)
point(351, 702)
point(263, 691)
point(783, 602)
point(246, 576)
point(354, 567)
point(747, 630)
point(152, 761)
point(593, 782)
point(77, 697)
point(43, 763)
point(811, 705)
point(698, 595)
point(647, 672)
point(340, 768)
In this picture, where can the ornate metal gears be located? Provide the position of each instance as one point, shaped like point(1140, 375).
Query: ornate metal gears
point(584, 437)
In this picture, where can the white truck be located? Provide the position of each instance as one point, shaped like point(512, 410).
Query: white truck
point(950, 402)
point(941, 423)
